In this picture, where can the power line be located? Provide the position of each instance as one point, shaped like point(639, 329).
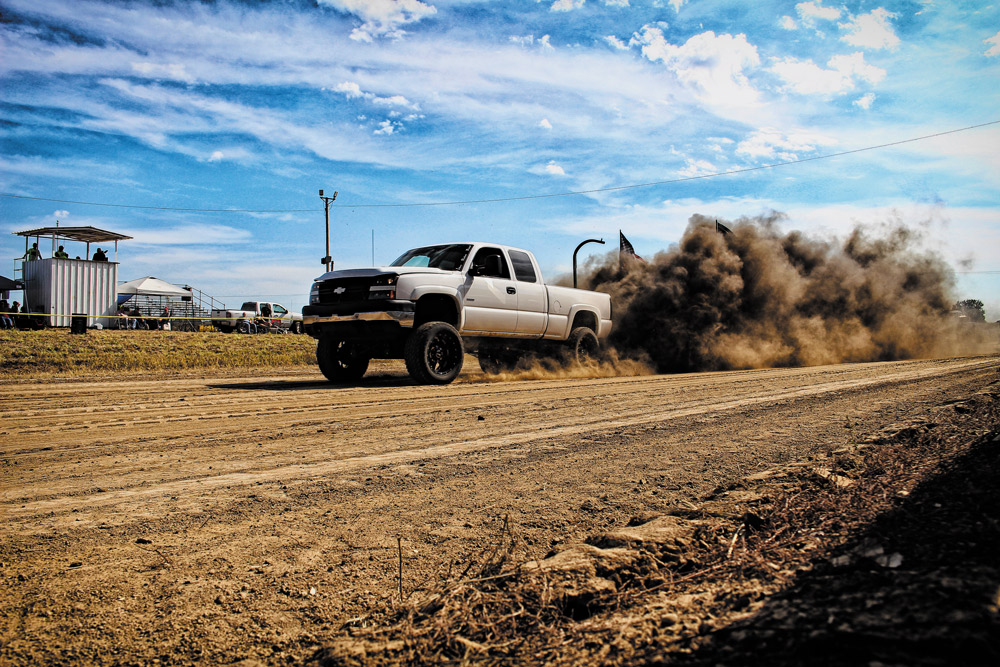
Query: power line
point(528, 197)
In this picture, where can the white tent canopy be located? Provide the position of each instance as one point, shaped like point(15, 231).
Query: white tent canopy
point(150, 286)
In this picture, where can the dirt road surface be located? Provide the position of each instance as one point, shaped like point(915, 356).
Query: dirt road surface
point(219, 519)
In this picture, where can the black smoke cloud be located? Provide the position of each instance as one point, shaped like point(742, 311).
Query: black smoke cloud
point(760, 297)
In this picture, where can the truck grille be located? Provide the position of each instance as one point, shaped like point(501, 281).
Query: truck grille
point(344, 290)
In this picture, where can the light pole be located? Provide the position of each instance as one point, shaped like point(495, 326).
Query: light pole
point(601, 241)
point(327, 260)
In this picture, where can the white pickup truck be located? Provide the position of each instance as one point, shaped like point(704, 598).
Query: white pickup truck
point(433, 303)
point(276, 315)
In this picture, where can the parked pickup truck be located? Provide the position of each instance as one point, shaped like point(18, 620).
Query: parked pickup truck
point(435, 303)
point(228, 320)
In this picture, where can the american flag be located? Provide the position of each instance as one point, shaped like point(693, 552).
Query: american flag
point(626, 247)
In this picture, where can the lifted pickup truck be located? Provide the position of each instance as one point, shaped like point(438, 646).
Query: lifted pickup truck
point(433, 303)
point(229, 320)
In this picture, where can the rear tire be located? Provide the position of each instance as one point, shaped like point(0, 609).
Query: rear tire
point(496, 359)
point(296, 327)
point(341, 360)
point(434, 353)
point(583, 345)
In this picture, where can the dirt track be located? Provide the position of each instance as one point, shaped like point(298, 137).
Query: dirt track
point(224, 518)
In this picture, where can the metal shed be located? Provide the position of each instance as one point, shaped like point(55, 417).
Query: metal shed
point(59, 287)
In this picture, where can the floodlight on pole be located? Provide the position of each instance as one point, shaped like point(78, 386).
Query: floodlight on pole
point(601, 241)
point(327, 260)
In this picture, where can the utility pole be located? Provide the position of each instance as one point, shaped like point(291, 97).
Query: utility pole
point(327, 260)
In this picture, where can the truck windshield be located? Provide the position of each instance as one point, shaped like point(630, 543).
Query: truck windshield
point(446, 257)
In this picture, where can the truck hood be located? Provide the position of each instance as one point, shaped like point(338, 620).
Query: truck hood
point(379, 270)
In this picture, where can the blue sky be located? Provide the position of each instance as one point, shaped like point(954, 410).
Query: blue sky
point(393, 103)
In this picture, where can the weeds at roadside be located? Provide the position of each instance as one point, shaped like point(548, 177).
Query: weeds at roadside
point(56, 351)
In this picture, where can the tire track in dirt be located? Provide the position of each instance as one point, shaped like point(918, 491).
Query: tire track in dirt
point(636, 401)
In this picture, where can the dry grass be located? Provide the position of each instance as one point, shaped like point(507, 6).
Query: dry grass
point(58, 352)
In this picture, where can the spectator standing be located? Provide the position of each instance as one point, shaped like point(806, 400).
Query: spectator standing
point(99, 256)
point(61, 253)
point(6, 321)
point(165, 322)
point(33, 253)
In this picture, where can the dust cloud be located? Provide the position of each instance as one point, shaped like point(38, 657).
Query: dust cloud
point(759, 297)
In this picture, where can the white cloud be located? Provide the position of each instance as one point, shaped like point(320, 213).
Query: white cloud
point(676, 4)
point(188, 234)
point(545, 124)
point(554, 169)
point(353, 91)
point(616, 3)
point(60, 214)
point(788, 23)
point(529, 40)
point(714, 65)
point(566, 5)
point(698, 168)
point(216, 156)
point(871, 30)
point(382, 18)
point(865, 101)
point(172, 71)
point(385, 127)
point(995, 49)
point(769, 144)
point(815, 10)
point(806, 78)
point(616, 43)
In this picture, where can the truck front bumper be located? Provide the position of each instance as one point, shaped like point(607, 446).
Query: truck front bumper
point(316, 322)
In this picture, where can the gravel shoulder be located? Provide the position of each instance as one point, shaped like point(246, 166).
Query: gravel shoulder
point(220, 518)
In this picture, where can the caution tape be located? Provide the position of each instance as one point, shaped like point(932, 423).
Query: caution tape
point(142, 317)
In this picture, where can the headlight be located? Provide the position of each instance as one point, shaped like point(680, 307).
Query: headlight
point(314, 294)
point(383, 287)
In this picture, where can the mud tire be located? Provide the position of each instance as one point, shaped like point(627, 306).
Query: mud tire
point(583, 346)
point(296, 327)
point(341, 360)
point(495, 359)
point(434, 353)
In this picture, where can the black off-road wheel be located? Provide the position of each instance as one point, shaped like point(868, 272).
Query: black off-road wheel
point(296, 327)
point(583, 346)
point(341, 360)
point(495, 359)
point(434, 353)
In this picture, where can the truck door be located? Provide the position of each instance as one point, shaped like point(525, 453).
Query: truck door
point(531, 297)
point(281, 315)
point(491, 301)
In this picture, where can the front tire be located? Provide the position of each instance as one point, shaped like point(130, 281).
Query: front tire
point(341, 360)
point(434, 353)
point(583, 346)
point(296, 327)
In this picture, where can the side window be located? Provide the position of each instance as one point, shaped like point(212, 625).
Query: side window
point(278, 310)
point(489, 262)
point(523, 268)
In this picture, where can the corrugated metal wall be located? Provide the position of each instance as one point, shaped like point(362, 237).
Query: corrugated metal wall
point(61, 287)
